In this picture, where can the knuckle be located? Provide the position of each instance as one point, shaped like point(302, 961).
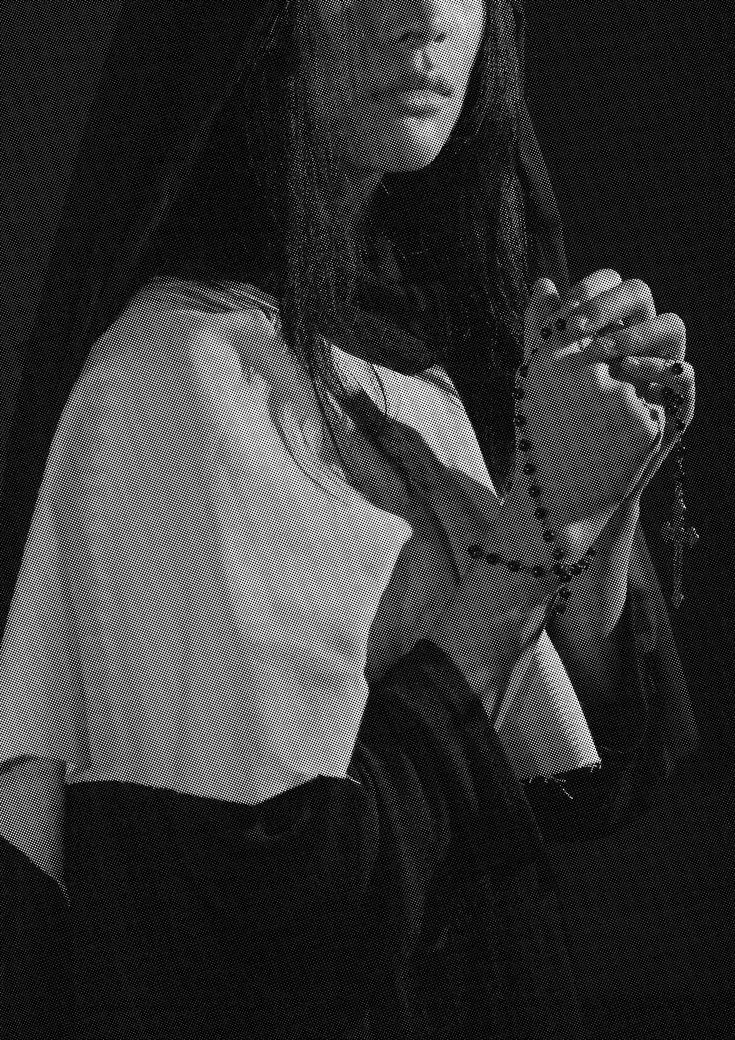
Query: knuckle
point(641, 290)
point(674, 325)
point(596, 282)
point(633, 411)
point(626, 394)
point(600, 376)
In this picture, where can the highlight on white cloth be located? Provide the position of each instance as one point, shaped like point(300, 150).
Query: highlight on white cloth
point(194, 613)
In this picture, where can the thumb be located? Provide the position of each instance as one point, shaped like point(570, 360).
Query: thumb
point(544, 300)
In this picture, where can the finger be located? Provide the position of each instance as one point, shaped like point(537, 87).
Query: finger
point(663, 336)
point(664, 388)
point(557, 308)
point(544, 297)
point(587, 289)
point(653, 370)
point(650, 392)
point(630, 302)
point(543, 302)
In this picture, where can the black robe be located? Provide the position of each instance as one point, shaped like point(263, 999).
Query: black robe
point(417, 903)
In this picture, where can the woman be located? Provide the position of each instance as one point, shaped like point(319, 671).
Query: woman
point(283, 724)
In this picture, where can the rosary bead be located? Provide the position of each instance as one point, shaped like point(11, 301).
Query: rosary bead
point(680, 424)
point(492, 558)
point(678, 450)
point(475, 551)
point(563, 571)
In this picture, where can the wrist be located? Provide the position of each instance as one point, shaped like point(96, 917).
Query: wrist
point(521, 535)
point(485, 652)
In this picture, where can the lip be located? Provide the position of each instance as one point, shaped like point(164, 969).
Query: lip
point(418, 102)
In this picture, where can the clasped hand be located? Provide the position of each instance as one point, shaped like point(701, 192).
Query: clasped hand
point(599, 438)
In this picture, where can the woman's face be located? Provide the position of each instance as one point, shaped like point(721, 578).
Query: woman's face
point(375, 60)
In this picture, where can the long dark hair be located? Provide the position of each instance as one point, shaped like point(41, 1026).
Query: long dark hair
point(198, 158)
point(258, 207)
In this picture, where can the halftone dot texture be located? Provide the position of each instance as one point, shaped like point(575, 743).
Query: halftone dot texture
point(679, 1000)
point(195, 613)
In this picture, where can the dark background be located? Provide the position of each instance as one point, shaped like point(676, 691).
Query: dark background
point(633, 105)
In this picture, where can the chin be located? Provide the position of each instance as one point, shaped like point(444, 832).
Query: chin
point(400, 154)
point(411, 163)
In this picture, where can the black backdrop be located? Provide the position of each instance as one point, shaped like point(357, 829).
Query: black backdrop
point(634, 106)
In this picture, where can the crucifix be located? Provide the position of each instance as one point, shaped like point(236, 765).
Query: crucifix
point(675, 532)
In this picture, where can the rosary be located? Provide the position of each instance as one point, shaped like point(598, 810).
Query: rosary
point(674, 531)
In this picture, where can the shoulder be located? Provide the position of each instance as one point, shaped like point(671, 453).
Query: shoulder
point(182, 365)
point(170, 325)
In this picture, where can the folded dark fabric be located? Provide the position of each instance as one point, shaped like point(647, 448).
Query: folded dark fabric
point(396, 906)
point(410, 903)
point(35, 947)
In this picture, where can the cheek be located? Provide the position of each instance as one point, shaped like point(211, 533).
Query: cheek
point(469, 42)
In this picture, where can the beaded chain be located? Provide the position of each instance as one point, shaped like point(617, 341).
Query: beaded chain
point(673, 531)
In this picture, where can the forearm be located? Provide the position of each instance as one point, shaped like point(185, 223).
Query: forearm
point(590, 636)
point(484, 637)
point(595, 665)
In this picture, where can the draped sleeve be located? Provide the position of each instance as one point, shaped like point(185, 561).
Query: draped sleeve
point(642, 735)
point(415, 902)
point(191, 611)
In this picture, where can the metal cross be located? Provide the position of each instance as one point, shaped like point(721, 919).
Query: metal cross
point(675, 532)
